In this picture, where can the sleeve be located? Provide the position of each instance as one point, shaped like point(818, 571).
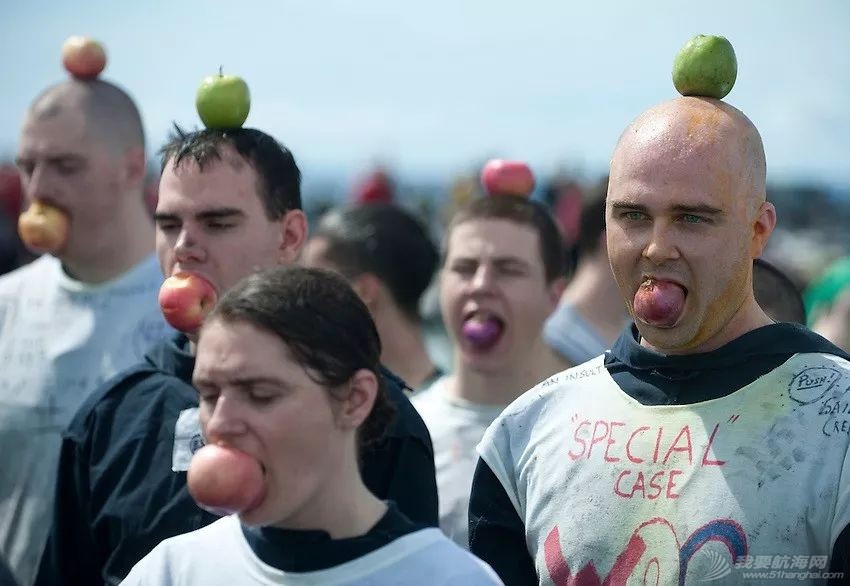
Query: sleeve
point(71, 555)
point(401, 469)
point(840, 561)
point(496, 532)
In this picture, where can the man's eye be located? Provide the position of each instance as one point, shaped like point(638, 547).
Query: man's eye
point(219, 225)
point(634, 216)
point(464, 269)
point(692, 219)
point(168, 227)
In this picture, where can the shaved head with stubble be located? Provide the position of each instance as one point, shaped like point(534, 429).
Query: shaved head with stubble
point(686, 209)
point(82, 150)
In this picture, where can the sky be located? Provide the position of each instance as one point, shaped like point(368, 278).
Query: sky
point(434, 88)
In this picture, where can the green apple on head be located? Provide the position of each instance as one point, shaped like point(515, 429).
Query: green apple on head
point(223, 101)
point(705, 66)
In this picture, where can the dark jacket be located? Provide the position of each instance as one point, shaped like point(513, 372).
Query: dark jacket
point(118, 494)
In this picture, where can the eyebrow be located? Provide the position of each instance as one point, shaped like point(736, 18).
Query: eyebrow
point(214, 214)
point(52, 159)
point(244, 382)
point(699, 209)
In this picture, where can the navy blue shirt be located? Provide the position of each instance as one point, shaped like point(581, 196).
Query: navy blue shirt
point(117, 496)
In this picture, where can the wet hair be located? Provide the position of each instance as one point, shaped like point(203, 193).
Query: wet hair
point(386, 241)
point(323, 323)
point(776, 294)
point(279, 177)
point(525, 212)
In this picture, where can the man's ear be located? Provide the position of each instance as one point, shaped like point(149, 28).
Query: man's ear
point(763, 226)
point(556, 289)
point(369, 288)
point(293, 235)
point(134, 167)
point(357, 405)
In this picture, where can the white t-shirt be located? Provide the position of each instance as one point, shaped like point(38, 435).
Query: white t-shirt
point(456, 427)
point(219, 554)
point(59, 340)
point(678, 494)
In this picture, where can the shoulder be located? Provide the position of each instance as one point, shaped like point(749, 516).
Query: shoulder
point(13, 280)
point(407, 422)
point(445, 562)
point(136, 395)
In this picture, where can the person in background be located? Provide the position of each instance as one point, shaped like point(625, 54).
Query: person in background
point(591, 313)
point(75, 317)
point(389, 259)
point(501, 277)
point(827, 301)
point(777, 294)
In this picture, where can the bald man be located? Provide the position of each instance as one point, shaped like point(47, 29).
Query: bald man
point(709, 442)
point(72, 319)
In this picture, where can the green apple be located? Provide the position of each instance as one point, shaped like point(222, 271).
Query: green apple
point(223, 101)
point(705, 66)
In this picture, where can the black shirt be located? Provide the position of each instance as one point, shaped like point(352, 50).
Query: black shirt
point(496, 532)
point(117, 496)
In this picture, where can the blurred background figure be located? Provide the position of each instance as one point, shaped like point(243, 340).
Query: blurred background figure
point(388, 257)
point(73, 318)
point(591, 313)
point(827, 301)
point(777, 294)
point(376, 187)
point(12, 251)
point(501, 277)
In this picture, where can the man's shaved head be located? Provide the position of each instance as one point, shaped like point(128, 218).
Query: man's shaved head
point(111, 116)
point(706, 130)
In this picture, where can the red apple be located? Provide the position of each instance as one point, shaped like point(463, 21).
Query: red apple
point(501, 177)
point(185, 299)
point(43, 228)
point(84, 58)
point(224, 480)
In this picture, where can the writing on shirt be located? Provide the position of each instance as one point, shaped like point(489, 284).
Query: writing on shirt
point(652, 458)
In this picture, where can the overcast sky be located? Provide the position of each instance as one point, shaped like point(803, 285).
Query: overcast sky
point(434, 87)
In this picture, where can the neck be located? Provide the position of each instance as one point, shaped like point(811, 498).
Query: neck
point(404, 350)
point(502, 386)
point(594, 294)
point(748, 318)
point(344, 507)
point(130, 239)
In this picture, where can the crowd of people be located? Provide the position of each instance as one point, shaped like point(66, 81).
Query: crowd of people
point(632, 394)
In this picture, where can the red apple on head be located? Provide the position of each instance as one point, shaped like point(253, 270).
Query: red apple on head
point(501, 177)
point(84, 58)
point(185, 299)
point(43, 228)
point(224, 480)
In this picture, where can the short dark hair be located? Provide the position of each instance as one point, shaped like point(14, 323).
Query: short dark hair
point(322, 322)
point(777, 294)
point(279, 177)
point(387, 241)
point(523, 211)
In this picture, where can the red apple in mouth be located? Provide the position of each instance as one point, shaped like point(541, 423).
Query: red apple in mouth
point(43, 228)
point(659, 303)
point(185, 299)
point(225, 480)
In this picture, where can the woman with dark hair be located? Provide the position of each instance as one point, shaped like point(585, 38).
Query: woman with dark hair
point(287, 371)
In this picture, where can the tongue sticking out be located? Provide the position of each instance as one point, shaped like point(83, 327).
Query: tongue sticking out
point(482, 334)
point(659, 303)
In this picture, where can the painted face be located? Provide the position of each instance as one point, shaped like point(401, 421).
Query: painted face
point(63, 165)
point(493, 293)
point(680, 228)
point(256, 398)
point(213, 223)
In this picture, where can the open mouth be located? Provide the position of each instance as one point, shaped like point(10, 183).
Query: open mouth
point(482, 329)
